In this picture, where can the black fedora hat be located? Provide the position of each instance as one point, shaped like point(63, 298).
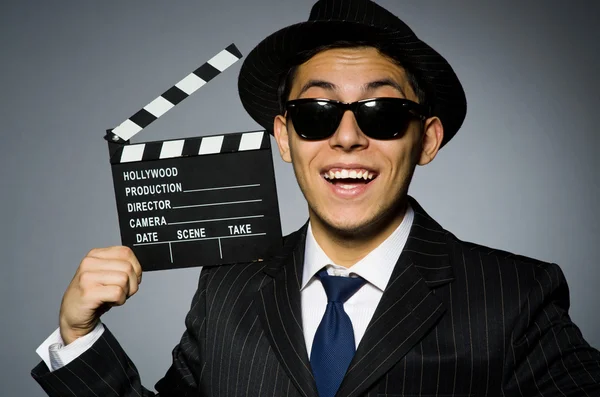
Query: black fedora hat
point(349, 20)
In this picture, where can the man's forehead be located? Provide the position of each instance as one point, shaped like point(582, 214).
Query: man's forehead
point(361, 67)
point(357, 57)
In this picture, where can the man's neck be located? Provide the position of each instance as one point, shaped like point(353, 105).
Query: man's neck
point(347, 248)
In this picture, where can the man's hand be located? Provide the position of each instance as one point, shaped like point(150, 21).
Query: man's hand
point(106, 277)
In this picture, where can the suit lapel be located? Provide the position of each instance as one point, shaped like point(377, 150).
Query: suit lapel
point(278, 306)
point(408, 308)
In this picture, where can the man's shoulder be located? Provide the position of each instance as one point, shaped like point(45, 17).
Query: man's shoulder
point(499, 283)
point(495, 254)
point(251, 275)
point(468, 256)
point(473, 258)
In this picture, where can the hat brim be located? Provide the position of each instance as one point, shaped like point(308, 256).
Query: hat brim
point(263, 68)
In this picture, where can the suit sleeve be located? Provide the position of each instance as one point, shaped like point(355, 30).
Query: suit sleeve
point(548, 355)
point(106, 370)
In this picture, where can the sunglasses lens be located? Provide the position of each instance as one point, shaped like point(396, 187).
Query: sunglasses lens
point(382, 119)
point(314, 120)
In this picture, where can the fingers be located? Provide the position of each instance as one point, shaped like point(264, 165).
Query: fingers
point(121, 253)
point(109, 276)
point(106, 277)
point(111, 294)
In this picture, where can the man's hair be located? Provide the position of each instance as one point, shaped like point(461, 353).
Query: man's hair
point(287, 79)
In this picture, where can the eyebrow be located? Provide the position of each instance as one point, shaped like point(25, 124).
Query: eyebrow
point(373, 85)
point(317, 83)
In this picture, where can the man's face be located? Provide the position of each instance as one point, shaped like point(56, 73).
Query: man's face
point(331, 172)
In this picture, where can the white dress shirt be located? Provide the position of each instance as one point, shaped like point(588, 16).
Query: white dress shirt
point(56, 355)
point(376, 268)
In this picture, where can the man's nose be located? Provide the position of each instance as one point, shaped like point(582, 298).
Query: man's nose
point(348, 135)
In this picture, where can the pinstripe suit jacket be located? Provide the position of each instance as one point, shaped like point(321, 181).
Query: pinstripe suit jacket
point(456, 319)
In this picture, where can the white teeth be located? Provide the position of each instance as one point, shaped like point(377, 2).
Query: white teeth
point(349, 174)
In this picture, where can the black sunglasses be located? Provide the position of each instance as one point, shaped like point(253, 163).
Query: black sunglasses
point(378, 118)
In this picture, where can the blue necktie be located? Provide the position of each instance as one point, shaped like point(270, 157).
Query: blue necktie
point(333, 346)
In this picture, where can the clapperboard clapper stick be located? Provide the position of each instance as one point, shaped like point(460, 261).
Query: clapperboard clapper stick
point(202, 201)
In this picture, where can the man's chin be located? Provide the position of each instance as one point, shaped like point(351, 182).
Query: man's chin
point(354, 226)
point(351, 229)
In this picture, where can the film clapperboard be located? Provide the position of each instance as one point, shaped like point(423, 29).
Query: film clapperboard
point(202, 201)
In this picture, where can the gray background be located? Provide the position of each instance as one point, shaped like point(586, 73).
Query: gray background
point(521, 175)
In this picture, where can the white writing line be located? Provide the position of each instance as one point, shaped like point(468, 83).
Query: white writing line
point(220, 188)
point(217, 219)
point(197, 239)
point(171, 252)
point(211, 204)
point(220, 250)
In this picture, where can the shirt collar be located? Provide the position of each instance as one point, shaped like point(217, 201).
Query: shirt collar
point(376, 267)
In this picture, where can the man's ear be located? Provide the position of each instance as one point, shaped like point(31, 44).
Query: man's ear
point(280, 132)
point(433, 135)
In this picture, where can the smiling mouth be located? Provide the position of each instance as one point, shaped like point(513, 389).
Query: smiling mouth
point(349, 178)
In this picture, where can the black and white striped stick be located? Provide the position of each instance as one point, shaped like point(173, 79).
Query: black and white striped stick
point(174, 95)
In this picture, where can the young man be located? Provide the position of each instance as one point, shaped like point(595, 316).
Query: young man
point(371, 297)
